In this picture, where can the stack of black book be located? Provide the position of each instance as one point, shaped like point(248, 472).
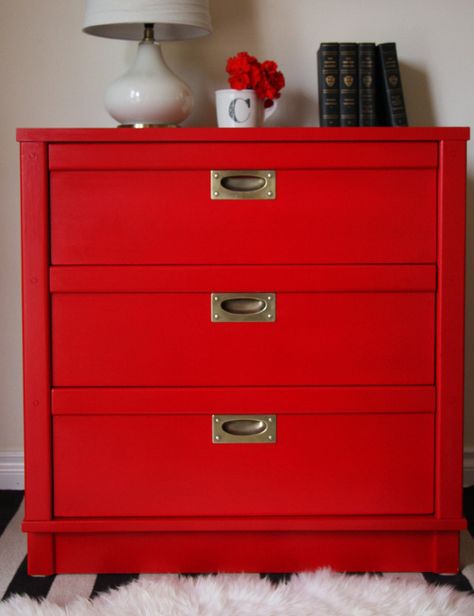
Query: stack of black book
point(360, 85)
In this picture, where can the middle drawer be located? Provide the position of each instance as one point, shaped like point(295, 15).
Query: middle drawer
point(371, 329)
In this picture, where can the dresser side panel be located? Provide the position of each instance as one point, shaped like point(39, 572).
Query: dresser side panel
point(450, 327)
point(36, 350)
point(36, 329)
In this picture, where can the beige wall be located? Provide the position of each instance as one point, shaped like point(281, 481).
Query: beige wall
point(53, 75)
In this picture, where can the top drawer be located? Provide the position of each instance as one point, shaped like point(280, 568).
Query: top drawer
point(325, 211)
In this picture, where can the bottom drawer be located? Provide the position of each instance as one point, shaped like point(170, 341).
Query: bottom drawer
point(168, 465)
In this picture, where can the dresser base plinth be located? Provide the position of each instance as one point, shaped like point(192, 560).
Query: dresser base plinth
point(207, 552)
point(41, 554)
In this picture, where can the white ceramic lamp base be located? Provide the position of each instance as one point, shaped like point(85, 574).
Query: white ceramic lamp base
point(149, 94)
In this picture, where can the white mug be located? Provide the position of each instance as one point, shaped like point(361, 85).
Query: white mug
point(241, 109)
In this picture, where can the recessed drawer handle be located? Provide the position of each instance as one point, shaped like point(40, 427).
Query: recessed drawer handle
point(243, 184)
point(243, 429)
point(243, 307)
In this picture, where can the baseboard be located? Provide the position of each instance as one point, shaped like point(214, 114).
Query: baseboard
point(12, 467)
point(12, 470)
point(469, 466)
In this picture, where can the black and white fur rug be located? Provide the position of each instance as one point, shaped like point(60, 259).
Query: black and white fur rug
point(320, 593)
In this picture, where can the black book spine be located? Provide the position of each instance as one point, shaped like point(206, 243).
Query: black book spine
point(348, 97)
point(366, 81)
point(328, 84)
point(393, 104)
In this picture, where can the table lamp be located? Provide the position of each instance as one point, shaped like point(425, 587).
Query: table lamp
point(149, 93)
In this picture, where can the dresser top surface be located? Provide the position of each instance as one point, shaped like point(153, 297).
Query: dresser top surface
point(131, 135)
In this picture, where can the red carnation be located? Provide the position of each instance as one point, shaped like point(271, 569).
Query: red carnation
point(269, 67)
point(245, 71)
point(241, 63)
point(239, 81)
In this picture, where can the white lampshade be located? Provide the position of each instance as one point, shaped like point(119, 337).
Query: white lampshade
point(124, 19)
point(149, 94)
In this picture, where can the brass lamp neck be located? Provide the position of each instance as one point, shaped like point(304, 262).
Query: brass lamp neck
point(149, 33)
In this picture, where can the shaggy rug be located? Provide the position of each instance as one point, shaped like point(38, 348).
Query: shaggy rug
point(322, 593)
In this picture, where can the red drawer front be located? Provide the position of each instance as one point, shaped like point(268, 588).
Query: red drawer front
point(169, 339)
point(168, 217)
point(166, 465)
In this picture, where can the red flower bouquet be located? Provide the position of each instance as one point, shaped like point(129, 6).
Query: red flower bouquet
point(246, 72)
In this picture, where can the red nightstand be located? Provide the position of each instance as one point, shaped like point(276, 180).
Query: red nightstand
point(243, 349)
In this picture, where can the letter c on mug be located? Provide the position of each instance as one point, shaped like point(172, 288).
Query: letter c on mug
point(234, 109)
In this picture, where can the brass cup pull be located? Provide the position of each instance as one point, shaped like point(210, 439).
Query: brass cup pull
point(243, 183)
point(244, 427)
point(243, 307)
point(228, 429)
point(257, 184)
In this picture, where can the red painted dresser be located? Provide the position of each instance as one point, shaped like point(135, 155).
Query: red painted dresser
point(243, 349)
